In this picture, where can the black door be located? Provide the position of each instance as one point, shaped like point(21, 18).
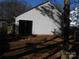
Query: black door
point(25, 27)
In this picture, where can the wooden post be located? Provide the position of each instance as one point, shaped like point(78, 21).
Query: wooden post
point(65, 26)
point(66, 23)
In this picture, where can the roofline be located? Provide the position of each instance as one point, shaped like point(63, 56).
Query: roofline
point(35, 7)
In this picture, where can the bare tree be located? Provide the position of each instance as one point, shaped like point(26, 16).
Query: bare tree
point(12, 8)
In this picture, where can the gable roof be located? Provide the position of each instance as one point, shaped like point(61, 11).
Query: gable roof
point(46, 8)
point(35, 7)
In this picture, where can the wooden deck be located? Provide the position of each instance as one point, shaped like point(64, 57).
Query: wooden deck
point(34, 47)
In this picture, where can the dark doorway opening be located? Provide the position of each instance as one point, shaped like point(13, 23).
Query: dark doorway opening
point(25, 27)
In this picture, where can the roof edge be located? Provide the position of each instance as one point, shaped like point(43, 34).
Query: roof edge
point(35, 7)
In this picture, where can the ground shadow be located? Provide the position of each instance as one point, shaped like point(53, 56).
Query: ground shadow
point(4, 45)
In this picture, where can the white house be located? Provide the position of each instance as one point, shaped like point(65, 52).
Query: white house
point(43, 24)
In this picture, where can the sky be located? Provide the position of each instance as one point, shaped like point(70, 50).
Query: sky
point(32, 2)
point(35, 2)
point(58, 3)
point(38, 2)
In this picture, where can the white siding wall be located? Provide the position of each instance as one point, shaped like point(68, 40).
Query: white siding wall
point(41, 24)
